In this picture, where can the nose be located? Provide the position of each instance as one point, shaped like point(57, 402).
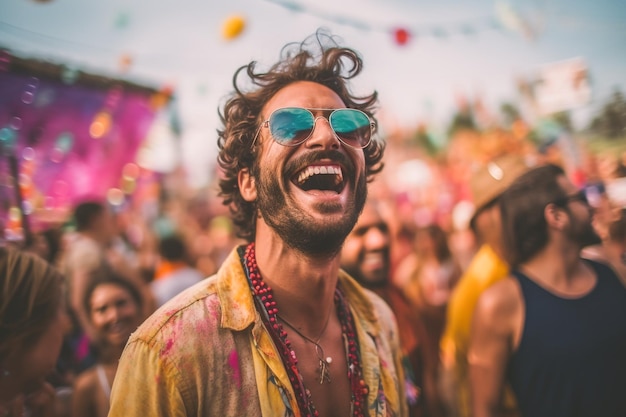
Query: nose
point(323, 135)
point(66, 321)
point(113, 314)
point(376, 239)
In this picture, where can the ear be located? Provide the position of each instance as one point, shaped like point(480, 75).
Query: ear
point(555, 216)
point(247, 185)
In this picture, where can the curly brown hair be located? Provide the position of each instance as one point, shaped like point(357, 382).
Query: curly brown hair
point(332, 67)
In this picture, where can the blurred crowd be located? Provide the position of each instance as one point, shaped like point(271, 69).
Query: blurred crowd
point(427, 230)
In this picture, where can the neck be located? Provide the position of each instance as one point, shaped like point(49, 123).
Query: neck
point(558, 269)
point(614, 251)
point(344, 323)
point(494, 241)
point(304, 285)
point(94, 236)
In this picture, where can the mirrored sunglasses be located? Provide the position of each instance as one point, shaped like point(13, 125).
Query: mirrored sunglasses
point(579, 196)
point(291, 126)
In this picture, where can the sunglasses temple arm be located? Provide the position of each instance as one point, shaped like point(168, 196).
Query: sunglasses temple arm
point(258, 131)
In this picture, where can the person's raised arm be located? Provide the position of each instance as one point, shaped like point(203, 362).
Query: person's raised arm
point(83, 396)
point(80, 281)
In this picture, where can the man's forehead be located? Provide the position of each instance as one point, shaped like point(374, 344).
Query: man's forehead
point(566, 184)
point(307, 94)
point(370, 217)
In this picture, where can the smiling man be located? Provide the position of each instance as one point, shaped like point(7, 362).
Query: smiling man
point(366, 256)
point(280, 330)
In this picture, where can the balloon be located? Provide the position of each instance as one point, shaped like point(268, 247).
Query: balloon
point(122, 20)
point(401, 36)
point(233, 26)
point(125, 62)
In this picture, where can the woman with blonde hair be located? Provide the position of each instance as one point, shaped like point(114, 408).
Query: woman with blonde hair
point(33, 321)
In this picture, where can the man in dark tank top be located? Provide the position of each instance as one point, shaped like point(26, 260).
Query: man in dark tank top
point(556, 328)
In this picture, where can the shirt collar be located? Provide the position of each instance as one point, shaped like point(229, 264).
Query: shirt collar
point(238, 310)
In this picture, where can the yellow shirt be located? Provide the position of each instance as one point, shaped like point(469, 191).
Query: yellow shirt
point(485, 269)
point(207, 353)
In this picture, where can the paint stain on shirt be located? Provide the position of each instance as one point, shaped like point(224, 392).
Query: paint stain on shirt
point(167, 347)
point(233, 361)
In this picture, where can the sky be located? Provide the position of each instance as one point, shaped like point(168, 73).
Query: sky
point(457, 48)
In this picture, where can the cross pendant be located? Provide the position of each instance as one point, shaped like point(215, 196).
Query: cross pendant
point(324, 372)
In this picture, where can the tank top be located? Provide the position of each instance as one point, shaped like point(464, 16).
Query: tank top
point(103, 381)
point(571, 360)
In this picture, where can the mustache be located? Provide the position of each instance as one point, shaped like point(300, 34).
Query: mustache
point(332, 155)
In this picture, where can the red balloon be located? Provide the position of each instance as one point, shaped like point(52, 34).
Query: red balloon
point(402, 36)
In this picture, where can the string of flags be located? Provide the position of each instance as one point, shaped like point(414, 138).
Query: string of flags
point(505, 17)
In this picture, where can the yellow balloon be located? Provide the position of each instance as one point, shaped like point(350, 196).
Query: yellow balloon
point(233, 26)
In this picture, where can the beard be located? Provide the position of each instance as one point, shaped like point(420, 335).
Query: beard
point(372, 279)
point(583, 233)
point(588, 236)
point(296, 227)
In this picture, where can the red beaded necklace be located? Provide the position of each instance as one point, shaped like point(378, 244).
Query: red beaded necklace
point(269, 312)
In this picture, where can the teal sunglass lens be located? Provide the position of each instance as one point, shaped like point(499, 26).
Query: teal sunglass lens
point(352, 126)
point(291, 125)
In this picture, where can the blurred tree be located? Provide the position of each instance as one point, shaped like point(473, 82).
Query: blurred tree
point(422, 138)
point(611, 121)
point(510, 113)
point(463, 119)
point(564, 120)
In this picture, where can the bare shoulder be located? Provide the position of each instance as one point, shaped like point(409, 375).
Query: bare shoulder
point(500, 303)
point(86, 382)
point(404, 270)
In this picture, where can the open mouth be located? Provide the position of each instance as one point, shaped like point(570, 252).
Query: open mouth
point(119, 328)
point(374, 260)
point(320, 177)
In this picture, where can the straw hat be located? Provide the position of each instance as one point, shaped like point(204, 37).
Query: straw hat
point(494, 177)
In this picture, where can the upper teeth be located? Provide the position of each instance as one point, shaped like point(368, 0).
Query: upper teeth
point(320, 169)
point(118, 327)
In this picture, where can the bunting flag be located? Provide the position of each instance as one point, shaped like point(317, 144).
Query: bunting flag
point(233, 27)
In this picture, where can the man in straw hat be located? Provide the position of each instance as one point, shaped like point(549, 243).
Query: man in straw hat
point(486, 268)
point(555, 329)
